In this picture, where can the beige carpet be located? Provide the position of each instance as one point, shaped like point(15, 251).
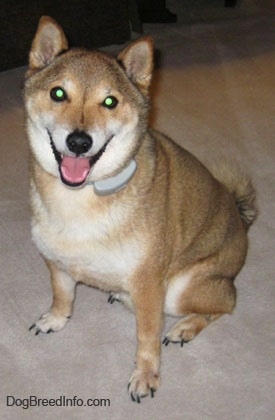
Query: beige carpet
point(214, 93)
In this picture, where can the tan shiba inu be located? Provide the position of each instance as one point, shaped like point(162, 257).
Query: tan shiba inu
point(120, 207)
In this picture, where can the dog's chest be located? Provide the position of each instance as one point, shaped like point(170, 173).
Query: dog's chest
point(94, 247)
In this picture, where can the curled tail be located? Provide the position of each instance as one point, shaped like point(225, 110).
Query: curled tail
point(239, 184)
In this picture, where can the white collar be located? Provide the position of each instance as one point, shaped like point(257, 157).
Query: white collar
point(115, 183)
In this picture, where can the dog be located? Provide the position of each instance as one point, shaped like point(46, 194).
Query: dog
point(121, 207)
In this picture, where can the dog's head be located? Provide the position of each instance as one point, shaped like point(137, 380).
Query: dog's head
point(86, 111)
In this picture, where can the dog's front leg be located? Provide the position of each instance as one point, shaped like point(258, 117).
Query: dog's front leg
point(148, 298)
point(63, 287)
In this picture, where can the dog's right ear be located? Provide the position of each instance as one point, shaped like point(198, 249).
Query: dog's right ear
point(48, 42)
point(137, 60)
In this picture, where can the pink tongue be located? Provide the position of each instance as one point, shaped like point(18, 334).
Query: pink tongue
point(75, 170)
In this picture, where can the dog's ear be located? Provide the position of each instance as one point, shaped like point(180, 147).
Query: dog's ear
point(48, 42)
point(137, 60)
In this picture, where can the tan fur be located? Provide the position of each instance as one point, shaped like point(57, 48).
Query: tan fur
point(172, 240)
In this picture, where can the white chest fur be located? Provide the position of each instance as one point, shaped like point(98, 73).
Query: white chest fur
point(88, 242)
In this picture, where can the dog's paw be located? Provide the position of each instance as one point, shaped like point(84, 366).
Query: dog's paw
point(187, 328)
point(179, 334)
point(123, 298)
point(142, 384)
point(49, 323)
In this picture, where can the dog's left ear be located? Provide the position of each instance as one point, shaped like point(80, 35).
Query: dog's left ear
point(137, 60)
point(48, 42)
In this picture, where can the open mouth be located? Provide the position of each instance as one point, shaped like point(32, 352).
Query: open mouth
point(74, 170)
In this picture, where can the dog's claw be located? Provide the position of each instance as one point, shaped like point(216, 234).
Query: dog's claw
point(166, 341)
point(37, 331)
point(137, 398)
point(112, 299)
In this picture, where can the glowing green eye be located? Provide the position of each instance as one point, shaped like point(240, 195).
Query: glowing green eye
point(58, 94)
point(110, 102)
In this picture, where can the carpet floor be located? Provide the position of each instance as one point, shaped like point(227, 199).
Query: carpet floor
point(213, 93)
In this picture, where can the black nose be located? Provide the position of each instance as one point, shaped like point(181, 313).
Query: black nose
point(79, 142)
